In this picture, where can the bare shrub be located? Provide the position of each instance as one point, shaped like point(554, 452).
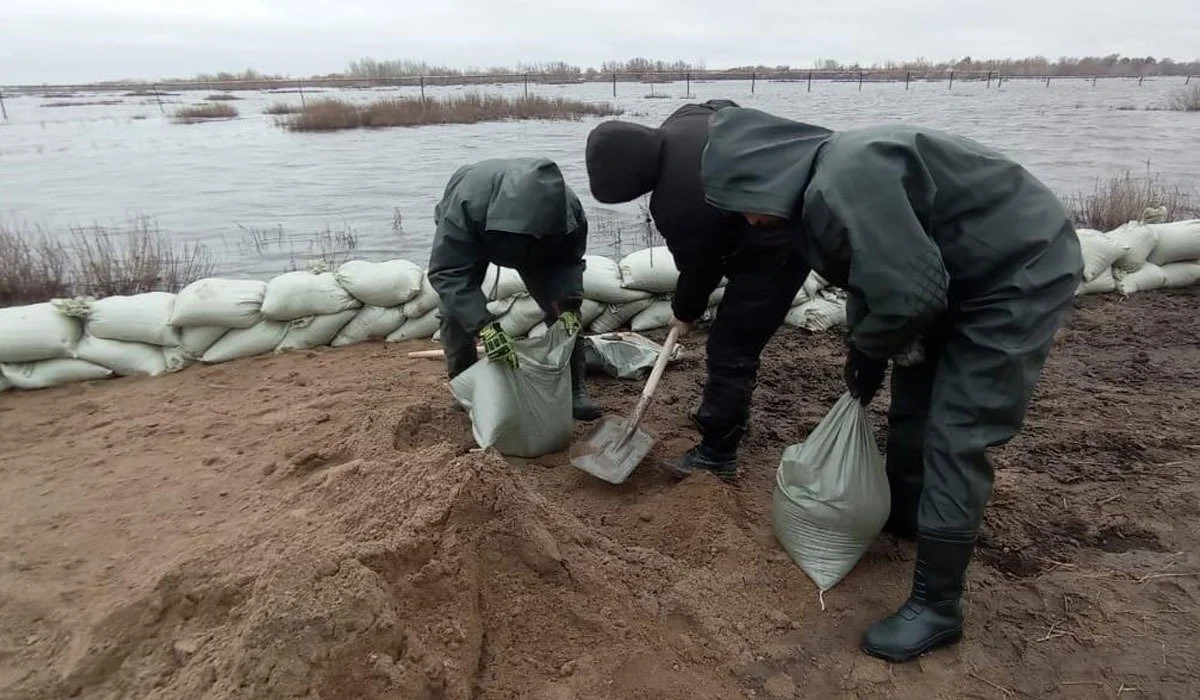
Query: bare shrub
point(33, 266)
point(1185, 99)
point(1119, 199)
point(321, 250)
point(205, 112)
point(282, 108)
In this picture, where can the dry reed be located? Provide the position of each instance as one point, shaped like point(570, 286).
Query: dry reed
point(1119, 199)
point(205, 112)
point(1185, 99)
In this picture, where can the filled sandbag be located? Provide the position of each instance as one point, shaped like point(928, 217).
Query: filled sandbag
point(219, 302)
point(369, 322)
point(177, 358)
point(657, 315)
point(37, 332)
point(1178, 241)
point(649, 270)
point(1181, 274)
point(124, 358)
point(141, 318)
point(831, 495)
point(1099, 253)
point(425, 301)
point(314, 331)
point(523, 315)
point(589, 311)
point(602, 282)
point(383, 284)
point(1103, 283)
point(259, 339)
point(1137, 241)
point(1146, 278)
point(624, 355)
point(819, 314)
point(196, 340)
point(502, 283)
point(49, 373)
point(526, 411)
point(420, 328)
point(295, 295)
point(615, 316)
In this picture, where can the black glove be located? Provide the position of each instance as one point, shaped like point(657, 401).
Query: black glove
point(864, 375)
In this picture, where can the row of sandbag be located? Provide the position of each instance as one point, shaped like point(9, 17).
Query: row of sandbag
point(1139, 257)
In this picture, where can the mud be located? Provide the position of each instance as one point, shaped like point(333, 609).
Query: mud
point(318, 524)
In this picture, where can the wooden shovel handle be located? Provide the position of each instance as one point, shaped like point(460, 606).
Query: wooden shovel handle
point(652, 383)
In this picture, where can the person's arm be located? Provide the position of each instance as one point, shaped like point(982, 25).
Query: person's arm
point(564, 282)
point(457, 268)
point(700, 272)
point(896, 270)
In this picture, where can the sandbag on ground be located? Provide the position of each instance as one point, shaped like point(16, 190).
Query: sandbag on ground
point(37, 332)
point(1178, 241)
point(141, 318)
point(196, 340)
point(650, 270)
point(219, 302)
point(502, 283)
point(295, 295)
point(1181, 274)
point(1146, 278)
point(819, 314)
point(49, 373)
point(420, 328)
point(624, 355)
point(523, 315)
point(657, 315)
point(1099, 253)
point(124, 358)
point(314, 331)
point(1137, 240)
point(259, 339)
point(602, 282)
point(369, 322)
point(426, 300)
point(617, 315)
point(1103, 283)
point(384, 284)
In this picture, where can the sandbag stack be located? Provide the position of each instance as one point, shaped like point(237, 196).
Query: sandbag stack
point(1139, 257)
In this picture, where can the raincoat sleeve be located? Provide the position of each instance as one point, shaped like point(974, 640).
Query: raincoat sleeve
point(456, 270)
point(565, 281)
point(700, 272)
point(896, 270)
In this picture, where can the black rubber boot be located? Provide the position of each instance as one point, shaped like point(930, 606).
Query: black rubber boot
point(932, 616)
point(582, 406)
point(722, 464)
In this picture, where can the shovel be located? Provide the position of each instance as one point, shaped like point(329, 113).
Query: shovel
point(616, 445)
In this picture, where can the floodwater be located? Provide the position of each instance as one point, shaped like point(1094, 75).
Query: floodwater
point(213, 182)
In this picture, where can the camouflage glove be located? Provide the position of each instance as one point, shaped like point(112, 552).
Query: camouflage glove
point(571, 322)
point(498, 345)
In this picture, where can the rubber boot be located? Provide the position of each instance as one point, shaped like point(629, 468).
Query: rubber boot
point(702, 457)
point(582, 406)
point(932, 616)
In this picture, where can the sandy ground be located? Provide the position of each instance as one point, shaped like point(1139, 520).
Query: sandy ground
point(315, 525)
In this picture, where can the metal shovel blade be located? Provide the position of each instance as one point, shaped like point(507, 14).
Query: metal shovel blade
point(604, 455)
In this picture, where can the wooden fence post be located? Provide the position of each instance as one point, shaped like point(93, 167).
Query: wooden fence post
point(951, 81)
point(689, 86)
point(860, 74)
point(3, 109)
point(300, 87)
point(810, 81)
point(614, 89)
point(753, 79)
point(989, 79)
point(422, 88)
point(907, 78)
point(159, 98)
point(527, 86)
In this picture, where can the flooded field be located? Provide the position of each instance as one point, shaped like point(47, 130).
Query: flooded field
point(217, 181)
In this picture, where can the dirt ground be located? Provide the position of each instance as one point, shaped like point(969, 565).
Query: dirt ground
point(315, 524)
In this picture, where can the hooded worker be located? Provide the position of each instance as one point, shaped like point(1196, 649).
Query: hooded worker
point(940, 241)
point(517, 213)
point(627, 160)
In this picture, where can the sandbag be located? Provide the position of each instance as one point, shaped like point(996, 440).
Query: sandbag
point(616, 315)
point(219, 302)
point(4, 383)
point(831, 495)
point(1178, 241)
point(196, 340)
point(294, 295)
point(657, 315)
point(49, 373)
point(259, 339)
point(314, 331)
point(502, 282)
point(369, 322)
point(589, 311)
point(1148, 277)
point(522, 315)
point(426, 300)
point(385, 284)
point(37, 332)
point(819, 314)
point(1181, 274)
point(124, 358)
point(602, 282)
point(650, 270)
point(624, 355)
point(420, 328)
point(522, 412)
point(1137, 240)
point(176, 358)
point(1099, 253)
point(1102, 284)
point(141, 318)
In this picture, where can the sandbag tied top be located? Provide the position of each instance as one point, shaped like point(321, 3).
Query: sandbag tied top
point(37, 332)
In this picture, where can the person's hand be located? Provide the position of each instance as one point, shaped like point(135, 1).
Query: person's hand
point(864, 375)
point(570, 322)
point(684, 327)
point(498, 345)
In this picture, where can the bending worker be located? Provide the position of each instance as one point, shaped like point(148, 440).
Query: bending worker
point(934, 237)
point(517, 213)
point(627, 160)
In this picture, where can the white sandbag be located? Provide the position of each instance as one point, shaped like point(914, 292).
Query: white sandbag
point(1099, 253)
point(716, 297)
point(650, 270)
point(624, 355)
point(48, 373)
point(196, 340)
point(4, 383)
point(1178, 241)
point(384, 284)
point(1137, 240)
point(177, 358)
point(314, 331)
point(1104, 283)
point(426, 300)
point(37, 332)
point(368, 323)
point(502, 282)
point(657, 315)
point(420, 328)
point(817, 315)
point(259, 339)
point(124, 358)
point(831, 495)
point(1147, 277)
point(589, 311)
point(602, 282)
point(523, 412)
point(1181, 274)
point(615, 316)
point(141, 318)
point(219, 302)
point(523, 315)
point(499, 307)
point(813, 284)
point(294, 295)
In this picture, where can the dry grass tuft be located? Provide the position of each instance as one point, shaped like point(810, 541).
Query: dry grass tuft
point(1120, 199)
point(333, 114)
point(282, 108)
point(206, 112)
point(1185, 99)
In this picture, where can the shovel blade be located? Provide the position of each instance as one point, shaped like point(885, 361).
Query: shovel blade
point(604, 455)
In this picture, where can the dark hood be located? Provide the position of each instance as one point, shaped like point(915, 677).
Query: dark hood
point(529, 196)
point(622, 160)
point(758, 163)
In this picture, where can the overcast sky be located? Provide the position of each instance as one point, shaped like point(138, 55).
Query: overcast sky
point(60, 41)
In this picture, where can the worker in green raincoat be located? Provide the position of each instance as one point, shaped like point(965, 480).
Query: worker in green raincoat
point(941, 242)
point(517, 213)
